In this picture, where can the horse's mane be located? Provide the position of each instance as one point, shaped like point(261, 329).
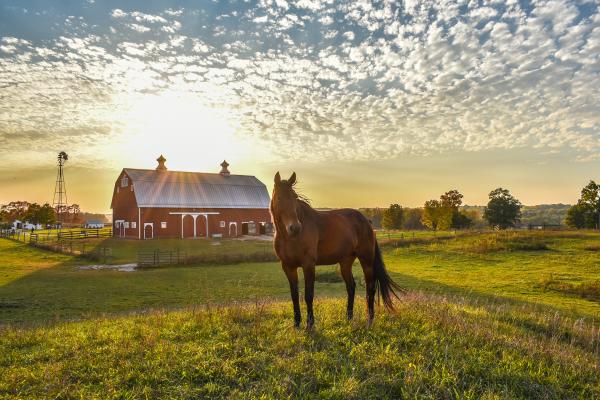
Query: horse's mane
point(300, 197)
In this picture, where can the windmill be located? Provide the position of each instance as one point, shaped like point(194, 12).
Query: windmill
point(60, 189)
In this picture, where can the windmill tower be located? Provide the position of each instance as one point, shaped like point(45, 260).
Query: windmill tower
point(60, 189)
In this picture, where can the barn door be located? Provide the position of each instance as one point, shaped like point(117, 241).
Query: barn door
point(233, 229)
point(201, 226)
point(148, 231)
point(188, 226)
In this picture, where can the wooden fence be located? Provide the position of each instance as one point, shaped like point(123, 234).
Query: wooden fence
point(156, 258)
point(55, 235)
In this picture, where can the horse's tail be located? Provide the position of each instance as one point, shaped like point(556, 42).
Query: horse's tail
point(385, 286)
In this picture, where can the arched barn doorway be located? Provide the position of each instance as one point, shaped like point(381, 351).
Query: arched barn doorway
point(233, 232)
point(148, 231)
point(201, 226)
point(188, 226)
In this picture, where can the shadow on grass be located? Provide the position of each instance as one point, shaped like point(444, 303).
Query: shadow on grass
point(63, 292)
point(537, 318)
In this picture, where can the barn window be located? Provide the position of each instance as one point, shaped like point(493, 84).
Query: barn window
point(222, 224)
point(124, 181)
point(163, 225)
point(126, 225)
point(134, 225)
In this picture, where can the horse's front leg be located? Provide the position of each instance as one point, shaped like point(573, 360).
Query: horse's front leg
point(292, 275)
point(309, 293)
point(346, 270)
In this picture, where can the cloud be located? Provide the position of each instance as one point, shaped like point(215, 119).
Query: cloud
point(328, 80)
point(326, 20)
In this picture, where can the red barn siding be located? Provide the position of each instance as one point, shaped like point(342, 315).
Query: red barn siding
point(125, 208)
point(156, 216)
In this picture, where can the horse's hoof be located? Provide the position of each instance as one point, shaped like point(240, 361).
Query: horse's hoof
point(309, 324)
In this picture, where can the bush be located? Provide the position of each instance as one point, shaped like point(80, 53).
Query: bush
point(586, 290)
point(512, 242)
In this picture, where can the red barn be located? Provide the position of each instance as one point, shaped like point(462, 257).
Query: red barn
point(159, 203)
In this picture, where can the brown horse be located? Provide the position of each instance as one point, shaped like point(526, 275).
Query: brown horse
point(306, 237)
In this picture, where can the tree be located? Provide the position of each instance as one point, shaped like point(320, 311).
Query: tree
point(46, 215)
point(461, 220)
point(436, 216)
point(32, 213)
point(586, 212)
point(475, 219)
point(576, 217)
point(503, 210)
point(374, 215)
point(452, 200)
point(411, 219)
point(392, 217)
point(15, 210)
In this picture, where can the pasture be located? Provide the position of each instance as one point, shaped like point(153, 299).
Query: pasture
point(492, 315)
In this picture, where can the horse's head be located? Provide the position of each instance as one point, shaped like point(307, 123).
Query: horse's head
point(284, 204)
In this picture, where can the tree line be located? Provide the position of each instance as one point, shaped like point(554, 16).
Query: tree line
point(25, 211)
point(43, 214)
point(502, 211)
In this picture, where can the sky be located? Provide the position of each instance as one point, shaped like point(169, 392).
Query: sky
point(371, 103)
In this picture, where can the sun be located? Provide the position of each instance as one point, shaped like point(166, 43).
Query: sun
point(192, 135)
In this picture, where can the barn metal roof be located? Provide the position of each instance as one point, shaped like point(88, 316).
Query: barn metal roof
point(196, 189)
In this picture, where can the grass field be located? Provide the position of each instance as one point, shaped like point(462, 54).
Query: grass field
point(509, 315)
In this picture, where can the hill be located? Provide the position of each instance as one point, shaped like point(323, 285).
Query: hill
point(548, 214)
point(493, 315)
point(432, 347)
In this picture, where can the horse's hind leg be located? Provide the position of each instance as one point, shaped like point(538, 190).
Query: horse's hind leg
point(367, 266)
point(346, 270)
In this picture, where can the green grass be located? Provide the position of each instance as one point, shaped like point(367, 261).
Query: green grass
point(37, 286)
point(493, 315)
point(433, 347)
point(503, 270)
point(125, 250)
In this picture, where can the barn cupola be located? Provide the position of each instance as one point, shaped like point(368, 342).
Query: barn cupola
point(224, 170)
point(161, 163)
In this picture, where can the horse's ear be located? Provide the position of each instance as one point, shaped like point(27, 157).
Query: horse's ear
point(277, 178)
point(292, 179)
